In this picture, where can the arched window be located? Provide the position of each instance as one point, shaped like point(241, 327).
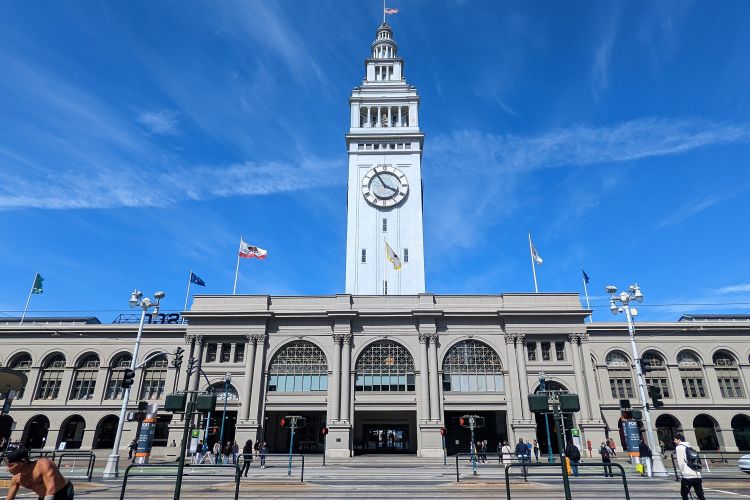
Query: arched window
point(154, 378)
point(218, 389)
point(298, 367)
point(116, 374)
point(657, 376)
point(384, 366)
point(728, 375)
point(22, 363)
point(620, 375)
point(472, 366)
point(85, 378)
point(52, 374)
point(691, 373)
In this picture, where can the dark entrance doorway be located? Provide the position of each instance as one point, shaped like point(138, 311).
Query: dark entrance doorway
point(6, 426)
point(35, 432)
point(386, 439)
point(740, 429)
point(666, 428)
point(105, 432)
point(214, 428)
point(458, 439)
point(307, 439)
point(71, 432)
point(542, 436)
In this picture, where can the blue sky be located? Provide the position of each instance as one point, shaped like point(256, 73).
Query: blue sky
point(140, 139)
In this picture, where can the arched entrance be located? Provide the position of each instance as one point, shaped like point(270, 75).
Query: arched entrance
point(6, 426)
point(541, 426)
point(71, 432)
point(105, 432)
point(666, 428)
point(705, 433)
point(741, 431)
point(35, 432)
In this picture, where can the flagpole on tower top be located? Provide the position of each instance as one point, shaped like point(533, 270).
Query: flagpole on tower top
point(187, 293)
point(28, 299)
point(533, 267)
point(237, 269)
point(383, 11)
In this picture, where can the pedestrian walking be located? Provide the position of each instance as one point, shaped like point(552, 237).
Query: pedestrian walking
point(536, 450)
point(604, 451)
point(482, 451)
point(131, 449)
point(573, 455)
point(689, 463)
point(613, 447)
point(506, 454)
point(235, 452)
point(588, 445)
point(217, 452)
point(262, 452)
point(646, 458)
point(247, 456)
point(521, 453)
point(226, 452)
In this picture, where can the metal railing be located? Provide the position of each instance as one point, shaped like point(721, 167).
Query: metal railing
point(606, 467)
point(74, 456)
point(158, 471)
point(714, 464)
point(276, 458)
point(502, 459)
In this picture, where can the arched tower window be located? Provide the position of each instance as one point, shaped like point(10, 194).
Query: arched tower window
point(472, 366)
point(52, 374)
point(84, 382)
point(657, 376)
point(384, 366)
point(154, 378)
point(299, 367)
point(22, 363)
point(116, 374)
point(691, 373)
point(728, 375)
point(620, 375)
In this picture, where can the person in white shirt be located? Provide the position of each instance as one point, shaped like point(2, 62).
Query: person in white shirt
point(690, 478)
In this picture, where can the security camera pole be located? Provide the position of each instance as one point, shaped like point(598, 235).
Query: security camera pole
point(634, 293)
point(111, 471)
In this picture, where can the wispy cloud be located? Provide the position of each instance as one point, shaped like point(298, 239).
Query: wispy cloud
point(698, 205)
point(577, 146)
point(163, 122)
point(601, 65)
point(744, 287)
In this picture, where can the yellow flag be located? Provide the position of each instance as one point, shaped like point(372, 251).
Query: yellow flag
point(391, 255)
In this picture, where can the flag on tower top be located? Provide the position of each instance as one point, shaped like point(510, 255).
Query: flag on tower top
point(250, 251)
point(391, 255)
point(37, 287)
point(586, 278)
point(389, 10)
point(195, 279)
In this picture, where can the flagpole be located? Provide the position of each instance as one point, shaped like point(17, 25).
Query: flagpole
point(23, 316)
point(533, 267)
point(586, 291)
point(187, 293)
point(383, 11)
point(237, 269)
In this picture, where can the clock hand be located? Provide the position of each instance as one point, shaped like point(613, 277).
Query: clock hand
point(381, 181)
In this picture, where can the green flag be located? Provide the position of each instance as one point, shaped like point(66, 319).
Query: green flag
point(37, 288)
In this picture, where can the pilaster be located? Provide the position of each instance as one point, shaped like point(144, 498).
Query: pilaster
point(346, 376)
point(435, 414)
point(424, 384)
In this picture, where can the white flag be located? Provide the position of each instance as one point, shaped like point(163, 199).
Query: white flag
point(535, 254)
point(391, 255)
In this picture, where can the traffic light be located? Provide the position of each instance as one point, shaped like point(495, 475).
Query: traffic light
point(324, 431)
point(443, 431)
point(645, 366)
point(655, 394)
point(128, 378)
point(283, 422)
point(462, 421)
point(177, 359)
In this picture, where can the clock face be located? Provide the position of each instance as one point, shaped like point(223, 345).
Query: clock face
point(384, 186)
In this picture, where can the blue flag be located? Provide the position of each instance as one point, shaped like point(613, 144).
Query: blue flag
point(585, 276)
point(195, 279)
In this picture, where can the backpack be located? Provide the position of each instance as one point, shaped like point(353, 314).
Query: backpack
point(693, 459)
point(604, 452)
point(576, 455)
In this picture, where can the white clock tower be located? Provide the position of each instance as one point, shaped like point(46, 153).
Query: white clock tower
point(384, 207)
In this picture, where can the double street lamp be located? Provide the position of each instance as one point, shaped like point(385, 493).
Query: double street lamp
point(624, 299)
point(111, 471)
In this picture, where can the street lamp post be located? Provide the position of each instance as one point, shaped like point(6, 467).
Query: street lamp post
point(111, 471)
point(542, 386)
point(227, 379)
point(624, 298)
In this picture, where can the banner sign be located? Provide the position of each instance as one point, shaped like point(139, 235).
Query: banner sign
point(146, 435)
point(632, 436)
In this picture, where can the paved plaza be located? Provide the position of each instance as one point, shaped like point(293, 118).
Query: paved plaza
point(395, 477)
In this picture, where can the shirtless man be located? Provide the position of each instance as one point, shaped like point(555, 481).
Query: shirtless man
point(40, 476)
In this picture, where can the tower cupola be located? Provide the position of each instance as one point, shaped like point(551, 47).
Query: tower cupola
point(384, 47)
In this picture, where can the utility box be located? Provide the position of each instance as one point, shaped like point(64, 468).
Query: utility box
point(569, 403)
point(205, 402)
point(175, 402)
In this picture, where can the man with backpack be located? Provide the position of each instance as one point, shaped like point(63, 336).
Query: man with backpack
point(606, 459)
point(689, 462)
point(573, 454)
